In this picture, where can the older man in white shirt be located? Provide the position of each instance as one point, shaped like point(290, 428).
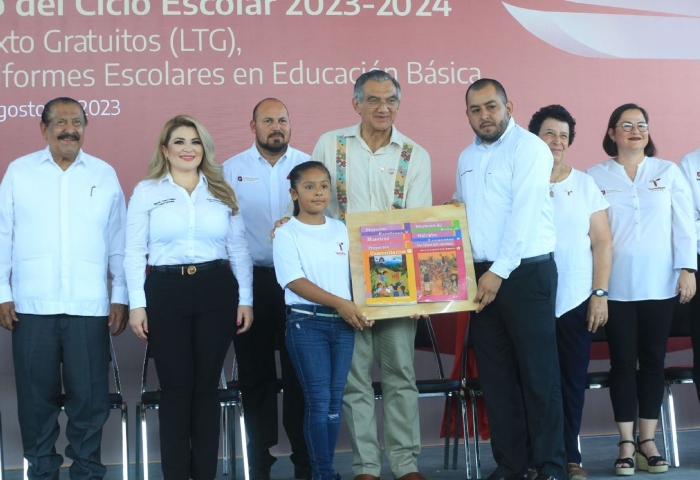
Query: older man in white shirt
point(62, 221)
point(502, 177)
point(260, 178)
point(373, 167)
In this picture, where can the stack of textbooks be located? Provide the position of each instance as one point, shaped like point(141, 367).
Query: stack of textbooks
point(407, 263)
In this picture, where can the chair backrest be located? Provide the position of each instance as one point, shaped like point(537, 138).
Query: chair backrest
point(425, 339)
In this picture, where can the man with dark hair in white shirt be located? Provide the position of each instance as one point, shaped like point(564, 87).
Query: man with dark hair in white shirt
point(502, 177)
point(259, 177)
point(62, 221)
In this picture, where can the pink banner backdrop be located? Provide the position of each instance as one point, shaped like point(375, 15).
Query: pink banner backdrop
point(135, 63)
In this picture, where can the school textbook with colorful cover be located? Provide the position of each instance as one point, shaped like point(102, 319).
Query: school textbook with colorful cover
point(411, 261)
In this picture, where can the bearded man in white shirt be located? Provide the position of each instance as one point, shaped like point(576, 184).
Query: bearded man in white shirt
point(374, 167)
point(503, 178)
point(62, 221)
point(260, 178)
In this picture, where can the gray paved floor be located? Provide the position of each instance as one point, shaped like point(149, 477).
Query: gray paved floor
point(598, 452)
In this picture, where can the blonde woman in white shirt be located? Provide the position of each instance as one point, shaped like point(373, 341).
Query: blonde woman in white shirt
point(185, 218)
point(583, 256)
point(654, 240)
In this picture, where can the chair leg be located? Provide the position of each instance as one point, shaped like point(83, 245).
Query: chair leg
point(144, 443)
point(232, 441)
point(448, 432)
point(224, 438)
point(664, 431)
point(458, 418)
point(244, 442)
point(137, 446)
point(125, 441)
point(25, 463)
point(477, 449)
point(465, 429)
point(578, 441)
point(674, 431)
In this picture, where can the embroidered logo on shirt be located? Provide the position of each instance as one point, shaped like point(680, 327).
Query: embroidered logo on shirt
point(216, 200)
point(248, 179)
point(392, 171)
point(340, 246)
point(569, 192)
point(608, 192)
point(163, 202)
point(656, 185)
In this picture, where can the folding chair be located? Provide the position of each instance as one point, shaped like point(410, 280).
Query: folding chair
point(229, 398)
point(437, 387)
point(116, 402)
point(675, 375)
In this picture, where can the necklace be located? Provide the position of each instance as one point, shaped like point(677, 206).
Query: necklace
point(551, 185)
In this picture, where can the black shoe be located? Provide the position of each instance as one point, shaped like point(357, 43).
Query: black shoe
point(517, 476)
point(262, 472)
point(302, 471)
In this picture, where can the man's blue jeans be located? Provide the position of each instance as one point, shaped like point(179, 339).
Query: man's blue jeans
point(321, 352)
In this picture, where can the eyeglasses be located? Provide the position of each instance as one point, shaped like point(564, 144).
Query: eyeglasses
point(391, 103)
point(628, 126)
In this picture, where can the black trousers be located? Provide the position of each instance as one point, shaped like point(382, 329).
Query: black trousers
point(191, 320)
point(638, 331)
point(50, 352)
point(516, 352)
point(695, 333)
point(257, 372)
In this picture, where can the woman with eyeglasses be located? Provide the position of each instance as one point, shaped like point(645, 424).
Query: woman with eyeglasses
point(583, 255)
point(653, 232)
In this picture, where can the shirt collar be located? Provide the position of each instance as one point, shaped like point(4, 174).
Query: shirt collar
point(47, 157)
point(511, 126)
point(169, 178)
point(256, 154)
point(396, 137)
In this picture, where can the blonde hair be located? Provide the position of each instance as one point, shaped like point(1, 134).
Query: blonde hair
point(213, 172)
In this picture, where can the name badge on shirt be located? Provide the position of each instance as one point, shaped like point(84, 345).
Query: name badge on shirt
point(248, 179)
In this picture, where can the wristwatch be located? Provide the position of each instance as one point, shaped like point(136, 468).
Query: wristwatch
point(690, 270)
point(599, 292)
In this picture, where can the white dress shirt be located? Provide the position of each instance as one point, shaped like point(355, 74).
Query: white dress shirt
point(371, 176)
point(61, 232)
point(505, 186)
point(653, 232)
point(576, 198)
point(174, 228)
point(263, 195)
point(318, 253)
point(690, 165)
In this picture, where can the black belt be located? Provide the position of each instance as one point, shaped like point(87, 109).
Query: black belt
point(526, 261)
point(317, 310)
point(264, 269)
point(190, 269)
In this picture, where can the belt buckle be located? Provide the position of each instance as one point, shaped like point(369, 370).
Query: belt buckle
point(191, 270)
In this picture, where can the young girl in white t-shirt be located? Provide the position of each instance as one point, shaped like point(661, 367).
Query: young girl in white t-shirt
point(312, 265)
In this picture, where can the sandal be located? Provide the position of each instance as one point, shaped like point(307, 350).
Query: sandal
point(626, 465)
point(652, 464)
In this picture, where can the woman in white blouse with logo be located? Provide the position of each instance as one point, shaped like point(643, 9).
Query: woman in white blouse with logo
point(183, 221)
point(583, 256)
point(652, 223)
